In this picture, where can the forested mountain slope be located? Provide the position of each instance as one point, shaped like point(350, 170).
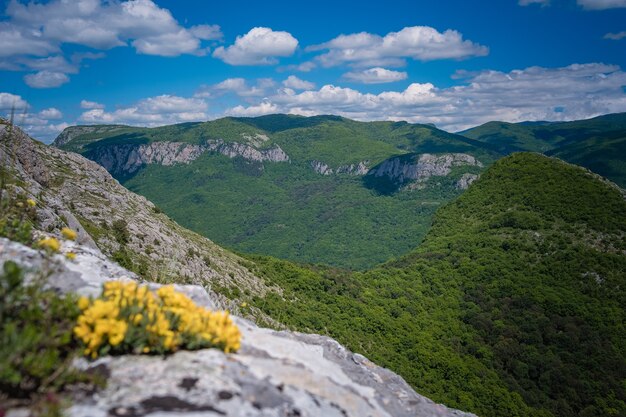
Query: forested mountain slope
point(512, 306)
point(321, 189)
point(598, 144)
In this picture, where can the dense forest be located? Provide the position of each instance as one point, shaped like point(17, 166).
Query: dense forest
point(512, 306)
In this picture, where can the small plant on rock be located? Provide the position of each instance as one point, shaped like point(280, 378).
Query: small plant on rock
point(130, 318)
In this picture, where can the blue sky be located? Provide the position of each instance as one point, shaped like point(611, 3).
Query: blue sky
point(452, 63)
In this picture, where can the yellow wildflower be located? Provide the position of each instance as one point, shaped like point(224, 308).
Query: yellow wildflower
point(83, 303)
point(162, 321)
point(49, 243)
point(31, 203)
point(68, 233)
point(70, 255)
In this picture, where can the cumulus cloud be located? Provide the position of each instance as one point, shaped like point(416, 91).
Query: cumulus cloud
point(104, 25)
point(46, 79)
point(86, 104)
point(574, 92)
point(40, 29)
point(152, 111)
point(255, 110)
point(298, 84)
point(15, 40)
point(44, 125)
point(9, 102)
point(376, 75)
point(238, 86)
point(260, 46)
point(602, 4)
point(615, 36)
point(421, 43)
point(51, 114)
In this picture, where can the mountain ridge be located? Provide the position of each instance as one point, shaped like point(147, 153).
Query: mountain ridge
point(482, 315)
point(278, 166)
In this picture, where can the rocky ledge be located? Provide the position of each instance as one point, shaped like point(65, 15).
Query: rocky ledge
point(420, 167)
point(276, 373)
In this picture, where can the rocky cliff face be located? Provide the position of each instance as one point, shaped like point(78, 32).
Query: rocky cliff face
point(275, 373)
point(466, 180)
point(74, 191)
point(419, 168)
point(351, 169)
point(74, 131)
point(129, 158)
point(249, 152)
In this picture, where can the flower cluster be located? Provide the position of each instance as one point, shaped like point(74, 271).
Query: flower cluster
point(68, 233)
point(129, 318)
point(50, 244)
point(53, 245)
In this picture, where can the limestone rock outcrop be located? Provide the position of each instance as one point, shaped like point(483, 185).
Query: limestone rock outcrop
point(420, 167)
point(275, 373)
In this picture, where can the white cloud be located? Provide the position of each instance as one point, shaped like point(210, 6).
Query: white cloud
point(169, 44)
point(251, 111)
point(46, 79)
point(86, 104)
point(260, 46)
point(51, 114)
point(375, 75)
point(529, 2)
point(298, 84)
point(535, 93)
point(10, 102)
point(104, 25)
point(40, 29)
point(238, 86)
point(38, 125)
point(16, 40)
point(417, 42)
point(615, 36)
point(601, 4)
point(152, 111)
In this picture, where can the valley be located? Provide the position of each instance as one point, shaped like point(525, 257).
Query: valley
point(318, 190)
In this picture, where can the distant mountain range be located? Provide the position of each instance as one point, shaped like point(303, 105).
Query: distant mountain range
point(325, 189)
point(598, 144)
point(512, 305)
point(319, 189)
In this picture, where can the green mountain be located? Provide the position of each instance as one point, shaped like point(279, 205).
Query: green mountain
point(513, 305)
point(321, 189)
point(598, 144)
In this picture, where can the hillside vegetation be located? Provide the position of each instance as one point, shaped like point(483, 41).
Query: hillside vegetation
point(287, 208)
point(598, 144)
point(512, 305)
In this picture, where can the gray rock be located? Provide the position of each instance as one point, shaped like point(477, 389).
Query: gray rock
point(321, 168)
point(354, 169)
point(466, 180)
point(421, 167)
point(275, 373)
point(246, 151)
point(74, 191)
point(128, 159)
point(351, 169)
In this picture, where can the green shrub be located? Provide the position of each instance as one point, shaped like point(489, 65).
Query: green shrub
point(36, 344)
point(120, 231)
